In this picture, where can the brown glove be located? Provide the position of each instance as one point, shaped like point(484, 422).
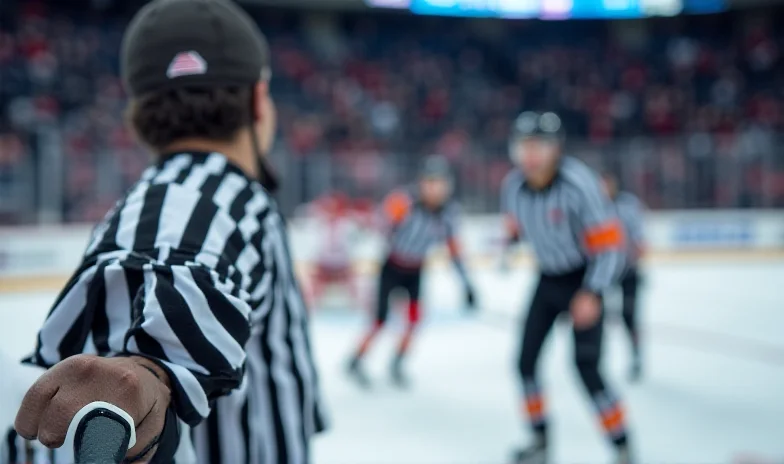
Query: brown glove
point(135, 384)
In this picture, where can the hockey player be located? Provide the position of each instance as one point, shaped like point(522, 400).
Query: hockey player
point(558, 204)
point(185, 308)
point(417, 219)
point(630, 210)
point(338, 222)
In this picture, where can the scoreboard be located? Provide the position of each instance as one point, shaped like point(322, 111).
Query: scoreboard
point(554, 9)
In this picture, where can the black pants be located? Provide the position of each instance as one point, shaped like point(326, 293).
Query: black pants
point(395, 277)
point(629, 285)
point(552, 298)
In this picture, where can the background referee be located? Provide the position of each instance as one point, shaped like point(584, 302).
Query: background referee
point(417, 218)
point(558, 204)
point(630, 211)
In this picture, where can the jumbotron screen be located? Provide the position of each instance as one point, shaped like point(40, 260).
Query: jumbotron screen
point(554, 9)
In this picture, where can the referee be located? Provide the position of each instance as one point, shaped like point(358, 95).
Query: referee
point(557, 203)
point(630, 210)
point(185, 306)
point(417, 219)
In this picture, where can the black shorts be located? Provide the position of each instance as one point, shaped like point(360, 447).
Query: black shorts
point(552, 298)
point(395, 277)
point(630, 282)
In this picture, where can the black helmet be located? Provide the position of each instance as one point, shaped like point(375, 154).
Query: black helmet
point(435, 166)
point(532, 124)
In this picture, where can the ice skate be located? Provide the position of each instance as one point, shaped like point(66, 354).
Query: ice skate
point(623, 456)
point(357, 373)
point(536, 453)
point(399, 378)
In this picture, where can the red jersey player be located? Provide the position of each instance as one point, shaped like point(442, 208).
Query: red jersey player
point(339, 220)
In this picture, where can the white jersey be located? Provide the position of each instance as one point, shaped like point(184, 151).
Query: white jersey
point(335, 240)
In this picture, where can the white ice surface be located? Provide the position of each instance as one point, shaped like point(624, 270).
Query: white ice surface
point(714, 385)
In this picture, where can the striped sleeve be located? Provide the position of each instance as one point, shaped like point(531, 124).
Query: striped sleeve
point(602, 232)
point(183, 317)
point(188, 323)
point(190, 314)
point(632, 212)
point(156, 283)
point(451, 218)
point(509, 192)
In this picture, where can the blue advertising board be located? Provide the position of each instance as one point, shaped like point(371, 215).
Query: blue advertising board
point(714, 234)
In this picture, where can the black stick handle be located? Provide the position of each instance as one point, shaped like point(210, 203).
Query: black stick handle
point(102, 434)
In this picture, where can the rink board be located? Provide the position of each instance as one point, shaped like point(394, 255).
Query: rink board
point(41, 258)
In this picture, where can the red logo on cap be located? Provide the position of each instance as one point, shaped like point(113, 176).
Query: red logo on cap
point(186, 64)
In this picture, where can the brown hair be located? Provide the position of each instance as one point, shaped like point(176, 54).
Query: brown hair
point(162, 118)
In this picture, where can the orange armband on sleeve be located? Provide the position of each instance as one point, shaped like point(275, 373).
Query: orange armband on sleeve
point(606, 236)
point(396, 207)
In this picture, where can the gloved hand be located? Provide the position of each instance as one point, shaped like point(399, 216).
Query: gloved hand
point(128, 382)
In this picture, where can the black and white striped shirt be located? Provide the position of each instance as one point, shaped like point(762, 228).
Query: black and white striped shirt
point(414, 229)
point(186, 269)
point(631, 212)
point(570, 224)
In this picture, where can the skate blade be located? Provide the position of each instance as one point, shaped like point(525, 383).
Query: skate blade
point(401, 384)
point(520, 457)
point(360, 379)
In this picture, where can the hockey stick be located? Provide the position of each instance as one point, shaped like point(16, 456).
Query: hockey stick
point(102, 434)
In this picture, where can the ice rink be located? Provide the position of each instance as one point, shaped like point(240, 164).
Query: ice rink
point(713, 389)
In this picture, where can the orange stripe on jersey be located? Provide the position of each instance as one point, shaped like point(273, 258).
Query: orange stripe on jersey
point(604, 237)
point(612, 419)
point(534, 406)
point(397, 206)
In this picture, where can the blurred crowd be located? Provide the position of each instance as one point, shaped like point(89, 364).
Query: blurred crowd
point(688, 111)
